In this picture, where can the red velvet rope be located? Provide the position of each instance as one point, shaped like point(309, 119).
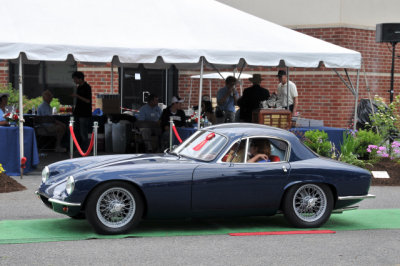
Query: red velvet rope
point(176, 133)
point(71, 130)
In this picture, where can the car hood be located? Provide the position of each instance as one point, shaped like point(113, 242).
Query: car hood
point(61, 170)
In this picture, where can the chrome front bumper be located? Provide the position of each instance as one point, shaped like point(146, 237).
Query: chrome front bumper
point(60, 202)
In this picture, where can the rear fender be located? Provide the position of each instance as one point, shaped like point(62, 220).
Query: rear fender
point(289, 185)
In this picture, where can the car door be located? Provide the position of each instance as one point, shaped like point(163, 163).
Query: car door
point(239, 186)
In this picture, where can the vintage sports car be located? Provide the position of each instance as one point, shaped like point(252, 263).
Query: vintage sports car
point(208, 175)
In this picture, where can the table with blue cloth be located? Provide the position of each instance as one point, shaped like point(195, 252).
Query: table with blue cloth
point(335, 134)
point(9, 150)
point(184, 133)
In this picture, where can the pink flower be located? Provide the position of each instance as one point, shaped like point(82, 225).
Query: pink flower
point(384, 155)
point(382, 148)
point(372, 146)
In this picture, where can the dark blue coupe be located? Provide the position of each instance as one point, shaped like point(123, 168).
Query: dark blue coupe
point(208, 175)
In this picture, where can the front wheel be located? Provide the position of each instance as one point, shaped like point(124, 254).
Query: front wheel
point(308, 205)
point(114, 208)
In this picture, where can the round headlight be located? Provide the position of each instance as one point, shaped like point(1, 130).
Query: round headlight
point(70, 186)
point(45, 174)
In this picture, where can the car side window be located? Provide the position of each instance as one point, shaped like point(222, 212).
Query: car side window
point(236, 153)
point(263, 150)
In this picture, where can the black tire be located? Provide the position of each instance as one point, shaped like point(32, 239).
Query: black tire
point(118, 214)
point(308, 205)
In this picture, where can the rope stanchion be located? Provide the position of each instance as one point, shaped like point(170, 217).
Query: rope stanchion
point(71, 130)
point(176, 133)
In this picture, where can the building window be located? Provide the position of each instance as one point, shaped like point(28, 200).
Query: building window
point(53, 76)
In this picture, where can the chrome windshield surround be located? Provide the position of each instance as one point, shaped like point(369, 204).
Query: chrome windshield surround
point(247, 138)
point(369, 196)
point(64, 203)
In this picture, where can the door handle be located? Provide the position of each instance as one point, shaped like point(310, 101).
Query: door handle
point(284, 169)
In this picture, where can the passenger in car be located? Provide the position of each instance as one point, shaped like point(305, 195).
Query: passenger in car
point(260, 151)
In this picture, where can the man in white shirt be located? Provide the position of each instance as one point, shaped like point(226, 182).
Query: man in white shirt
point(283, 98)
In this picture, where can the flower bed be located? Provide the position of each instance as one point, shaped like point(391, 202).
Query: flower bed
point(392, 167)
point(8, 184)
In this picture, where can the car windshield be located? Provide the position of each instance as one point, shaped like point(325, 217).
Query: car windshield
point(204, 145)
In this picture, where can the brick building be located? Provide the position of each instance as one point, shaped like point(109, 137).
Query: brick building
point(322, 95)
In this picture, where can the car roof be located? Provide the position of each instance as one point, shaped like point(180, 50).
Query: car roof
point(250, 129)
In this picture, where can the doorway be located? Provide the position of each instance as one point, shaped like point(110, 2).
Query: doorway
point(138, 83)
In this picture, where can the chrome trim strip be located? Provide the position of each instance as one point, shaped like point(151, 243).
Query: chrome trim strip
point(350, 208)
point(247, 138)
point(369, 196)
point(64, 202)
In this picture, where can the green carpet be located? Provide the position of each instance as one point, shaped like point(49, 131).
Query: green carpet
point(45, 230)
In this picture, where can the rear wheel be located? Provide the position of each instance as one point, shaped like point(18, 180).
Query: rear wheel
point(308, 205)
point(114, 208)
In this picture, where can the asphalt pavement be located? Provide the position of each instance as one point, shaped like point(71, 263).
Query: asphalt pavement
point(364, 247)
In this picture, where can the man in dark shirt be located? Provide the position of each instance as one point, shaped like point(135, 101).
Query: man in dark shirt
point(251, 98)
point(175, 112)
point(83, 108)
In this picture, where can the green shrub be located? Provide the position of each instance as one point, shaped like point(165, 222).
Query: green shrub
point(386, 120)
point(318, 141)
point(348, 148)
point(364, 138)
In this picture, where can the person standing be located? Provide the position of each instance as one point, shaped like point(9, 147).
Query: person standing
point(83, 108)
point(227, 99)
point(283, 99)
point(252, 96)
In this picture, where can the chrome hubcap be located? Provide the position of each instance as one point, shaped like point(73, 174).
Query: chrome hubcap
point(116, 207)
point(309, 203)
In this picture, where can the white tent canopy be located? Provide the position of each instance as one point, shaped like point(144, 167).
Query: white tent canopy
point(176, 32)
point(156, 33)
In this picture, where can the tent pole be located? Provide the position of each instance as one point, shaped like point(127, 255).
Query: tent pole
point(122, 85)
point(21, 115)
point(344, 82)
point(166, 84)
point(287, 88)
point(112, 77)
point(190, 92)
point(348, 78)
point(356, 103)
point(200, 93)
point(216, 69)
point(210, 88)
point(368, 90)
point(241, 70)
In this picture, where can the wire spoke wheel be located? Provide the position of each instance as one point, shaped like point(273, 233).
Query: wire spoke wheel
point(116, 207)
point(309, 203)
